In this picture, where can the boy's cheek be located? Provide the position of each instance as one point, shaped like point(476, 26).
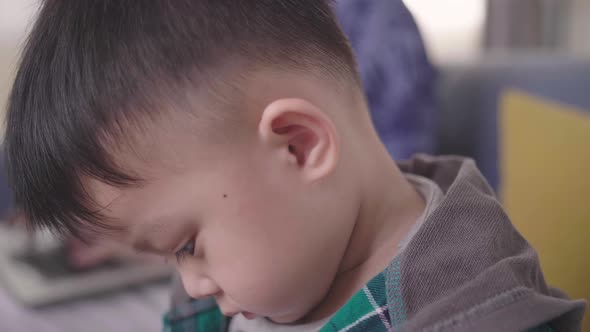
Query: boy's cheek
point(261, 277)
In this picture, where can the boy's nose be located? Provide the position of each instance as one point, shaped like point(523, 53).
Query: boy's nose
point(199, 286)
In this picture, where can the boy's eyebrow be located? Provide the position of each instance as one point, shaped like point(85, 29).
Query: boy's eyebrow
point(141, 243)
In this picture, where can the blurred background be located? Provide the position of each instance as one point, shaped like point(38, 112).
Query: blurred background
point(508, 84)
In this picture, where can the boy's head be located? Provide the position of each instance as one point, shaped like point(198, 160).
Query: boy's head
point(211, 130)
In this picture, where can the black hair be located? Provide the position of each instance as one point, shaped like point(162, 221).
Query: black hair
point(92, 69)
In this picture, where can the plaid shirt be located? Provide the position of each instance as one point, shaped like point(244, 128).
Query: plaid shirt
point(366, 311)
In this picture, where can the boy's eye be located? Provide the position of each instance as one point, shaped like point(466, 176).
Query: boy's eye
point(188, 249)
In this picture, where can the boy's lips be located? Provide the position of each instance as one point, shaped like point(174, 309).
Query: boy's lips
point(248, 315)
point(229, 308)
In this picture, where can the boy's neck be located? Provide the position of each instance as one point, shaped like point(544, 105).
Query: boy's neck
point(389, 208)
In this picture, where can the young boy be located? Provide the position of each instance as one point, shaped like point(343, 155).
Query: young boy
point(233, 137)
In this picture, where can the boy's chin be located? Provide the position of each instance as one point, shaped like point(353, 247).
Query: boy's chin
point(285, 320)
point(293, 318)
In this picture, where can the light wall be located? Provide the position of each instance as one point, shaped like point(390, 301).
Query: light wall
point(578, 27)
point(15, 16)
point(452, 29)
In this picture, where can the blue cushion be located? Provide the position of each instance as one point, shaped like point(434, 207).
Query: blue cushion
point(398, 78)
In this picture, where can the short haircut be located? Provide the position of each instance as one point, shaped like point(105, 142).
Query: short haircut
point(91, 69)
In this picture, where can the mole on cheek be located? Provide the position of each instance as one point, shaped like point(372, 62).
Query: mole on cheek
point(224, 195)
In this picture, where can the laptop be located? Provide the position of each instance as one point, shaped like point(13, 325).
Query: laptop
point(35, 270)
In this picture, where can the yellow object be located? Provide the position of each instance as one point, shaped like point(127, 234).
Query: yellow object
point(545, 164)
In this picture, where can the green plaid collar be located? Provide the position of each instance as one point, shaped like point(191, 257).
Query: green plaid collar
point(189, 318)
point(377, 307)
point(366, 311)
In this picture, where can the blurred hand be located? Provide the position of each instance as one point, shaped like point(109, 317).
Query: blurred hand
point(87, 255)
point(82, 255)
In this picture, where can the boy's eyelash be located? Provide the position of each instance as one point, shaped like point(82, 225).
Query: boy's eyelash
point(188, 249)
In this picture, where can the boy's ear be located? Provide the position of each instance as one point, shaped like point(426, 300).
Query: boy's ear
point(302, 134)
